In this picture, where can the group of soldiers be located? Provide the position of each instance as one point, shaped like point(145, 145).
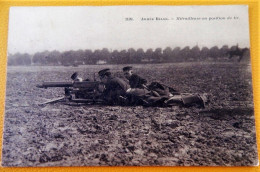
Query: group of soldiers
point(136, 91)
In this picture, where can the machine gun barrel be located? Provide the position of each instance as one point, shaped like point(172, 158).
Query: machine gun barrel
point(55, 84)
point(83, 84)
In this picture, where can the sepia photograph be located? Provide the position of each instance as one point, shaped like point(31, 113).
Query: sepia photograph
point(129, 86)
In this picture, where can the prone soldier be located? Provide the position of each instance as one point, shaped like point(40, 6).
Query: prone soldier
point(115, 88)
point(75, 77)
point(158, 92)
point(135, 80)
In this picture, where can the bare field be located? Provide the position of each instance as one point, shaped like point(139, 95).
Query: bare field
point(60, 135)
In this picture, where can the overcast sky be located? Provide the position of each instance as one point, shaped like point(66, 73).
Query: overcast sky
point(33, 29)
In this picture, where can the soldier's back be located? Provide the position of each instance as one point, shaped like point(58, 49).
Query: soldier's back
point(136, 81)
point(116, 83)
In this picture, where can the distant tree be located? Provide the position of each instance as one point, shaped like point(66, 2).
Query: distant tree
point(233, 48)
point(26, 59)
point(37, 58)
point(224, 51)
point(246, 55)
point(185, 53)
point(195, 53)
point(10, 59)
point(115, 58)
point(53, 58)
point(204, 53)
point(67, 58)
point(176, 57)
point(167, 54)
point(131, 57)
point(214, 52)
point(87, 57)
point(157, 55)
point(40, 58)
point(139, 55)
point(16, 59)
point(105, 55)
point(78, 57)
point(19, 59)
point(149, 54)
point(123, 57)
point(241, 54)
point(96, 56)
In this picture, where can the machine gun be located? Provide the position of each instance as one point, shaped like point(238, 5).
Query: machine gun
point(85, 92)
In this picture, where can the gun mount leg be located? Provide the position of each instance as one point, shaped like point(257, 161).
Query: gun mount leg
point(53, 101)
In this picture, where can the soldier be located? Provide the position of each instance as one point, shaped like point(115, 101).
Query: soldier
point(75, 77)
point(135, 80)
point(139, 92)
point(156, 88)
point(115, 88)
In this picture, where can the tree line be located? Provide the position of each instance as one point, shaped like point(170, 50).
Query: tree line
point(130, 56)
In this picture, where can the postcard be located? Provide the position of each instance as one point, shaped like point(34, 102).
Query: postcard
point(129, 86)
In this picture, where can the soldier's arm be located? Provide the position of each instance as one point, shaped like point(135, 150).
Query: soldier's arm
point(142, 80)
point(134, 81)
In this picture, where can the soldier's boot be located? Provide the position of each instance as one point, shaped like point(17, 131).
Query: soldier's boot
point(205, 99)
point(174, 101)
point(200, 100)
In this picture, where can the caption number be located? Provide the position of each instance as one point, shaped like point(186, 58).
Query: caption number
point(129, 19)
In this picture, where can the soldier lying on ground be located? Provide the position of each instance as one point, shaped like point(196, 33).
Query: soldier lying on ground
point(173, 97)
point(135, 81)
point(117, 91)
point(114, 87)
point(160, 90)
point(75, 77)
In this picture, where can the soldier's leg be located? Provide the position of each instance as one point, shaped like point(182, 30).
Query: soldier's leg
point(137, 96)
point(187, 100)
point(156, 101)
point(190, 100)
point(174, 101)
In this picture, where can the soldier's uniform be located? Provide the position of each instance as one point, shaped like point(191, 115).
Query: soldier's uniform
point(114, 87)
point(136, 81)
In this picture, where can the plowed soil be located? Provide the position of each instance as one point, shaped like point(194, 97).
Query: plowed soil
point(222, 134)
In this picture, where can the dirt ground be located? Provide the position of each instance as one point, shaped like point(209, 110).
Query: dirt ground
point(222, 134)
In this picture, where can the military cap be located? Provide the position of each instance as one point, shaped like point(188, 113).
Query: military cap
point(74, 75)
point(127, 68)
point(103, 72)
